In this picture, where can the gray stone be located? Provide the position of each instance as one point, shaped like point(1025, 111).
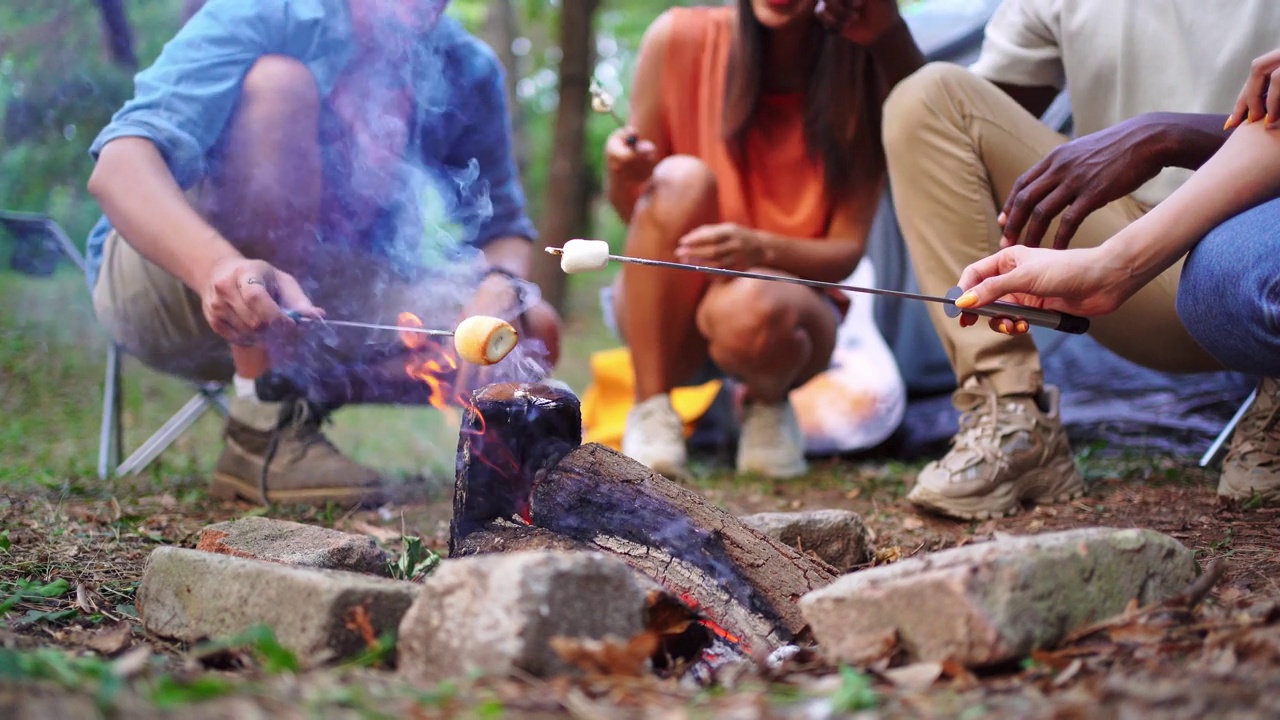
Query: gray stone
point(293, 543)
point(991, 602)
point(497, 613)
point(837, 536)
point(191, 596)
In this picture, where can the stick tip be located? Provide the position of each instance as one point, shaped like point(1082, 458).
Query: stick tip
point(553, 251)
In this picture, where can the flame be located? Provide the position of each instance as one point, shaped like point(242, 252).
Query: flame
point(716, 628)
point(434, 364)
point(411, 340)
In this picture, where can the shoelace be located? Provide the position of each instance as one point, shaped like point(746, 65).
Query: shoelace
point(294, 414)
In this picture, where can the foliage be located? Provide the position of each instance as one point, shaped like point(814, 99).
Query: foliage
point(855, 692)
point(94, 675)
point(261, 641)
point(416, 562)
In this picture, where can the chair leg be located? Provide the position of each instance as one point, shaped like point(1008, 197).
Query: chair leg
point(1216, 450)
point(109, 440)
point(173, 428)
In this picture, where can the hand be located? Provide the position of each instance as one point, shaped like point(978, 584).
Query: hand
point(1085, 281)
point(1260, 96)
point(861, 22)
point(1077, 178)
point(723, 245)
point(629, 163)
point(242, 298)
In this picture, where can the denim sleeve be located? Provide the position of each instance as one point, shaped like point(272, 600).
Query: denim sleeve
point(485, 145)
point(184, 100)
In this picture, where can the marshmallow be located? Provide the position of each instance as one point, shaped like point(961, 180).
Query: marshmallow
point(484, 340)
point(584, 256)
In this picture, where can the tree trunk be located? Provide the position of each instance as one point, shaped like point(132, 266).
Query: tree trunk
point(566, 204)
point(501, 29)
point(119, 36)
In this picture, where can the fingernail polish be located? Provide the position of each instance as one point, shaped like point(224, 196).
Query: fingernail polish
point(1022, 326)
point(967, 300)
point(1230, 123)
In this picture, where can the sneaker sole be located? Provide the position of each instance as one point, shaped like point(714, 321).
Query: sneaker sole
point(1058, 483)
point(226, 487)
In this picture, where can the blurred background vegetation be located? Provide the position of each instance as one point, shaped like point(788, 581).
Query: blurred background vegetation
point(67, 65)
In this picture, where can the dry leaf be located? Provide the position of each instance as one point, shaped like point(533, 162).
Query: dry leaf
point(853, 494)
point(956, 670)
point(609, 655)
point(110, 640)
point(912, 523)
point(1136, 633)
point(888, 555)
point(916, 677)
point(666, 615)
point(1067, 675)
point(132, 662)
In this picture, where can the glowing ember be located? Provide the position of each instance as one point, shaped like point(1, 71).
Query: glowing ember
point(715, 627)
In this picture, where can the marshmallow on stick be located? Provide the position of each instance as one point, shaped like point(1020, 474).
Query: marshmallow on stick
point(584, 256)
point(484, 340)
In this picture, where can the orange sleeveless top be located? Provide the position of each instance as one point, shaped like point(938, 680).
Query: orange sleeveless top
point(778, 186)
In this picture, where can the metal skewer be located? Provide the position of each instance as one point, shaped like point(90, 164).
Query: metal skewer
point(602, 102)
point(1051, 319)
point(299, 317)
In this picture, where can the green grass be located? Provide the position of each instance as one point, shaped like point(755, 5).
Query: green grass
point(52, 355)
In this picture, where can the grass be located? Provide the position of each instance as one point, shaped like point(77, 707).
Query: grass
point(51, 363)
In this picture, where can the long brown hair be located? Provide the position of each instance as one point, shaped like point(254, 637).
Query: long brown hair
point(842, 103)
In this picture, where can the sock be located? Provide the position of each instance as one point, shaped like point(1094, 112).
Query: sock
point(245, 388)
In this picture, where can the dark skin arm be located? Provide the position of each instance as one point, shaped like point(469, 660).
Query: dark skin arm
point(1087, 173)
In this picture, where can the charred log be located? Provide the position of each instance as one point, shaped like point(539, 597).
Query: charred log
point(510, 433)
point(745, 582)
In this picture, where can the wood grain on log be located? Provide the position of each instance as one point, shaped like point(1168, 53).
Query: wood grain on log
point(741, 579)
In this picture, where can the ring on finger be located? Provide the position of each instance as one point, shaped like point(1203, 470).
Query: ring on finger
point(253, 281)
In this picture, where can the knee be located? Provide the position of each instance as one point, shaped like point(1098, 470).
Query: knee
point(745, 321)
point(281, 86)
point(681, 192)
point(914, 101)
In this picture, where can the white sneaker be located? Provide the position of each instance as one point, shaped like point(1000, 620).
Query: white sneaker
point(655, 437)
point(770, 442)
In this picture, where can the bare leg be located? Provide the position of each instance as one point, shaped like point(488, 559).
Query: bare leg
point(656, 308)
point(265, 194)
point(771, 336)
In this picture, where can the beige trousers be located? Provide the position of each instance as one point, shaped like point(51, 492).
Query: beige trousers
point(956, 144)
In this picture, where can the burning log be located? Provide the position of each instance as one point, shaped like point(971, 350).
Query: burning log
point(520, 460)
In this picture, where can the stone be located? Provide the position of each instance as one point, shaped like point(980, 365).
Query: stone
point(496, 614)
point(838, 537)
point(191, 596)
point(992, 602)
point(292, 543)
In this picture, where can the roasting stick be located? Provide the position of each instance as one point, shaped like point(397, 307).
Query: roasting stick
point(602, 102)
point(588, 255)
point(479, 339)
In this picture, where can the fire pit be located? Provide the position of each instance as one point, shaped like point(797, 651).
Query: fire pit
point(525, 481)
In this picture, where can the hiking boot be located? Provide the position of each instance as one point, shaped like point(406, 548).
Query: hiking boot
point(655, 437)
point(1252, 466)
point(771, 443)
point(1009, 450)
point(288, 462)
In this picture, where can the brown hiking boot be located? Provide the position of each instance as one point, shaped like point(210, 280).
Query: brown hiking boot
point(1009, 450)
point(1252, 466)
point(292, 463)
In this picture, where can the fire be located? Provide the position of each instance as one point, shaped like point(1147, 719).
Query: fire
point(432, 363)
point(413, 341)
point(715, 627)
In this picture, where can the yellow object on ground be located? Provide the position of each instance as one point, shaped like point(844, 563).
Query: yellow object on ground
point(611, 395)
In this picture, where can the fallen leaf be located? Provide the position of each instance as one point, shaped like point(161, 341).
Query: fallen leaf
point(889, 555)
point(912, 523)
point(853, 494)
point(916, 677)
point(132, 662)
point(110, 640)
point(1067, 675)
point(609, 655)
point(666, 615)
point(1136, 633)
point(963, 679)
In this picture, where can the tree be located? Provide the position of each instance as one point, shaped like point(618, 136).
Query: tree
point(501, 29)
point(566, 207)
point(115, 26)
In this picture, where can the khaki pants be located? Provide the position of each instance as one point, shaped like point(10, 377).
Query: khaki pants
point(159, 320)
point(956, 144)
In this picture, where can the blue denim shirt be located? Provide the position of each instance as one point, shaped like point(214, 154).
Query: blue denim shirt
point(459, 143)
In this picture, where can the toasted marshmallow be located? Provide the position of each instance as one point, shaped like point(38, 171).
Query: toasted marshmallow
point(484, 340)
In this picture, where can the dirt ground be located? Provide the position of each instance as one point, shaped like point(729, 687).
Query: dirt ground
point(85, 550)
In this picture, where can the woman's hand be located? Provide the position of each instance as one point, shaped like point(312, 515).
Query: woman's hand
point(1260, 96)
point(1084, 281)
point(629, 163)
point(724, 245)
point(861, 22)
point(241, 298)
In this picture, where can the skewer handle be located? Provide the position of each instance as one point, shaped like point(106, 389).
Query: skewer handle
point(1052, 319)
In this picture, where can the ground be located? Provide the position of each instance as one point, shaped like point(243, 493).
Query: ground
point(72, 550)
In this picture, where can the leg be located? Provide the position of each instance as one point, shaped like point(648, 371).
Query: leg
point(656, 309)
point(773, 337)
point(1230, 301)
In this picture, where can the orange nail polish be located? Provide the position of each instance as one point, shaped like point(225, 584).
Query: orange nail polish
point(967, 300)
point(1230, 123)
point(1022, 326)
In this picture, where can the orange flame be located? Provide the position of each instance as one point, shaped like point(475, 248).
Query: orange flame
point(411, 340)
point(432, 363)
point(715, 627)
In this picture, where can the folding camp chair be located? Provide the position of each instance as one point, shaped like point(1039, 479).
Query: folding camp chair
point(40, 241)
